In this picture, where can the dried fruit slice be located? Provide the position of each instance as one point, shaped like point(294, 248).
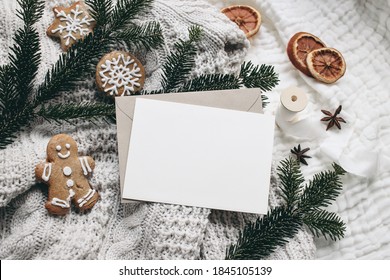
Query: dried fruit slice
point(299, 46)
point(326, 64)
point(246, 17)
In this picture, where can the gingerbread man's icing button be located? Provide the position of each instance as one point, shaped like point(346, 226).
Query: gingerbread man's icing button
point(67, 171)
point(71, 24)
point(120, 73)
point(70, 183)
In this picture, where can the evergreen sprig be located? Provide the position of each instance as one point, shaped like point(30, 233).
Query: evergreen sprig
point(263, 76)
point(147, 36)
point(211, 82)
point(85, 110)
point(260, 238)
point(180, 63)
point(100, 10)
point(302, 206)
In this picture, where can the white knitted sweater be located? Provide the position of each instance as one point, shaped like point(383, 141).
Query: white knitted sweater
point(113, 230)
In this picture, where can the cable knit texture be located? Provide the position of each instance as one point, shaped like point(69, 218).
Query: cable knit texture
point(113, 230)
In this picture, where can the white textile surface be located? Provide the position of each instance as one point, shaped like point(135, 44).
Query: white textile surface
point(360, 30)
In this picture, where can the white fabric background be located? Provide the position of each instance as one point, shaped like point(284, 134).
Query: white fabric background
point(361, 31)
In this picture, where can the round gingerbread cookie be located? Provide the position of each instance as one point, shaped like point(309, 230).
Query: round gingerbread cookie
point(119, 73)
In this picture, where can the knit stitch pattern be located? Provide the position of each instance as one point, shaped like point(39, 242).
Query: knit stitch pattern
point(112, 230)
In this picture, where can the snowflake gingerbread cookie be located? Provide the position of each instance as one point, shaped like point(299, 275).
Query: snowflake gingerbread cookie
point(66, 175)
point(71, 24)
point(119, 73)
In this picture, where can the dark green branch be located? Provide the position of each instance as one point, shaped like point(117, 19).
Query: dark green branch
point(126, 11)
point(263, 76)
point(180, 63)
point(258, 239)
point(66, 112)
point(100, 10)
point(148, 36)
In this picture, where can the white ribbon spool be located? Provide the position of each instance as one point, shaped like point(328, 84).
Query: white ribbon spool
point(293, 100)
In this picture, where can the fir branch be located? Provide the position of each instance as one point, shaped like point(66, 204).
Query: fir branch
point(100, 10)
point(258, 239)
point(67, 112)
point(126, 10)
point(25, 53)
point(180, 63)
point(291, 179)
point(8, 93)
point(211, 82)
point(263, 76)
point(148, 36)
point(325, 223)
point(320, 191)
point(73, 66)
point(31, 11)
point(11, 122)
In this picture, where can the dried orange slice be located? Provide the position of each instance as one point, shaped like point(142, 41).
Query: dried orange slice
point(299, 46)
point(326, 64)
point(246, 17)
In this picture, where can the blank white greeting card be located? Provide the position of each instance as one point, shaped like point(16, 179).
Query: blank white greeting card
point(199, 156)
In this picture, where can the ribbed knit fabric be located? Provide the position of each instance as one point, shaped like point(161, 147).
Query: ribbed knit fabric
point(112, 230)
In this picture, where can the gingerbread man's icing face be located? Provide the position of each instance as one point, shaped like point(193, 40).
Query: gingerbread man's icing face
point(61, 147)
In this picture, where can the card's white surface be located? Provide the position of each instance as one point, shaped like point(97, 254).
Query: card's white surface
point(199, 156)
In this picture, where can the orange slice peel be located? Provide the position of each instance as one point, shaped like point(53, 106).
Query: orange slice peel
point(299, 46)
point(326, 64)
point(247, 18)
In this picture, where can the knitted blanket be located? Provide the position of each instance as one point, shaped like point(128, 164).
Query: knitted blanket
point(361, 31)
point(113, 230)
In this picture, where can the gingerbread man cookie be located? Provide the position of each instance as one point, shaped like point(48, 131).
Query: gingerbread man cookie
point(66, 175)
point(71, 24)
point(119, 73)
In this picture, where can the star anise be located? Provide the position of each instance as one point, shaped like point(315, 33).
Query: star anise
point(300, 154)
point(333, 119)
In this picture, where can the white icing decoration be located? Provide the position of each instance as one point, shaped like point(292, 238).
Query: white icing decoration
point(67, 146)
point(58, 148)
point(67, 171)
point(46, 177)
point(70, 183)
point(86, 197)
point(73, 25)
point(63, 203)
point(118, 74)
point(85, 165)
point(64, 156)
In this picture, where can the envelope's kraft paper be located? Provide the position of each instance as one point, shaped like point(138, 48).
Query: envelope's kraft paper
point(248, 100)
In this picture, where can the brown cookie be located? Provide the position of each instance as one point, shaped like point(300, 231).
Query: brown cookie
point(66, 175)
point(71, 24)
point(120, 73)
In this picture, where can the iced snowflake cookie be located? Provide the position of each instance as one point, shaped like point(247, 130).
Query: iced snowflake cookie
point(119, 73)
point(66, 175)
point(71, 24)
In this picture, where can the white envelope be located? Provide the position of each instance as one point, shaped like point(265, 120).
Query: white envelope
point(199, 156)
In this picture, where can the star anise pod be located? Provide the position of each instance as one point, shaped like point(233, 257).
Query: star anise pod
point(300, 154)
point(333, 119)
